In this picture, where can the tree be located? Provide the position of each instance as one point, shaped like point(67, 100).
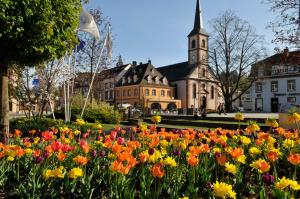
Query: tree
point(235, 48)
point(89, 55)
point(286, 26)
point(31, 33)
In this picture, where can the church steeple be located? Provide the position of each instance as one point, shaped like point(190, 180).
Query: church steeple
point(198, 23)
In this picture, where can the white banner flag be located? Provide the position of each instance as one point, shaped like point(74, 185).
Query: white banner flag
point(87, 24)
point(109, 46)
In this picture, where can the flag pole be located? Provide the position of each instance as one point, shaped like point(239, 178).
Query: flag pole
point(97, 67)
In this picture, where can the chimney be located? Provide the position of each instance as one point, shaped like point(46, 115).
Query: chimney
point(134, 63)
point(149, 61)
point(141, 63)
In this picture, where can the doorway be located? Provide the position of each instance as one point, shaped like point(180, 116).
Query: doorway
point(274, 105)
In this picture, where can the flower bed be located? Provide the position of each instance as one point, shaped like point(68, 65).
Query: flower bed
point(144, 163)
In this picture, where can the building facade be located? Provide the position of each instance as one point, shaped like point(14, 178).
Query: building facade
point(193, 80)
point(278, 82)
point(143, 86)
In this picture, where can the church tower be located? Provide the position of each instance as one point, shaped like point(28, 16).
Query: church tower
point(198, 40)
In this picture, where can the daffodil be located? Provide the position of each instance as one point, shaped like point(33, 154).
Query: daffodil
point(230, 168)
point(75, 173)
point(169, 161)
point(80, 122)
point(223, 190)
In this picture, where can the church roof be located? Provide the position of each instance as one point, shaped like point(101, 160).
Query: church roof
point(198, 23)
point(177, 71)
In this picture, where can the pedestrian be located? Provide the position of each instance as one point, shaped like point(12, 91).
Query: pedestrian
point(219, 108)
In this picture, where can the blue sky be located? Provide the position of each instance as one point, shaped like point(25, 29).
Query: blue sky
point(158, 29)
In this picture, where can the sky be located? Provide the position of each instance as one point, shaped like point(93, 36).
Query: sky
point(158, 29)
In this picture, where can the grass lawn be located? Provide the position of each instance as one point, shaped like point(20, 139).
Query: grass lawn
point(169, 126)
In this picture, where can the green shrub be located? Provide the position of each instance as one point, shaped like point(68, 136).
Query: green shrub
point(42, 124)
point(100, 112)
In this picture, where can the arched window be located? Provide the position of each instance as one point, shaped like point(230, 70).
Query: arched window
point(203, 72)
point(129, 92)
point(212, 92)
point(193, 43)
point(162, 93)
point(203, 43)
point(124, 93)
point(194, 91)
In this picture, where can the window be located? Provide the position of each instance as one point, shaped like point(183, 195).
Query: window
point(118, 93)
point(129, 92)
point(203, 86)
point(193, 43)
point(212, 92)
point(124, 92)
point(162, 93)
point(106, 95)
point(291, 85)
point(203, 43)
point(169, 93)
point(149, 79)
point(291, 100)
point(106, 86)
point(147, 92)
point(203, 72)
point(274, 86)
point(153, 92)
point(136, 92)
point(194, 91)
point(258, 87)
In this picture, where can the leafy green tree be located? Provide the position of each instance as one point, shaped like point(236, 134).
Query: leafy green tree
point(32, 32)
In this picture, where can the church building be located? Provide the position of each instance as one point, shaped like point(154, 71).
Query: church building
point(193, 80)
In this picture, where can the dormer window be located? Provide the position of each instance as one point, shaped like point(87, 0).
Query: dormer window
point(129, 80)
point(123, 80)
point(149, 79)
point(135, 78)
point(157, 80)
point(165, 81)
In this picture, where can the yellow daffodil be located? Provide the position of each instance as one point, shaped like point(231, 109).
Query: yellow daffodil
point(223, 190)
point(230, 168)
point(239, 116)
point(75, 173)
point(254, 151)
point(245, 140)
point(285, 183)
point(288, 143)
point(170, 161)
point(80, 122)
point(156, 119)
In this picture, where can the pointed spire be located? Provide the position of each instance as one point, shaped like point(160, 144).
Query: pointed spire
point(198, 23)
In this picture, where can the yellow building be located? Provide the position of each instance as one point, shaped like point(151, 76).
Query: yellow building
point(143, 86)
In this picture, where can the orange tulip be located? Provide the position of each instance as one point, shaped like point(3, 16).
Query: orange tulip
point(221, 158)
point(157, 170)
point(192, 160)
point(272, 156)
point(236, 152)
point(294, 159)
point(61, 156)
point(80, 160)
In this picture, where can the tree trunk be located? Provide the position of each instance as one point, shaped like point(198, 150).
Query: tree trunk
point(4, 104)
point(228, 104)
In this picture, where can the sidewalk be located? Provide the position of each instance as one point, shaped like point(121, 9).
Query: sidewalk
point(247, 115)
